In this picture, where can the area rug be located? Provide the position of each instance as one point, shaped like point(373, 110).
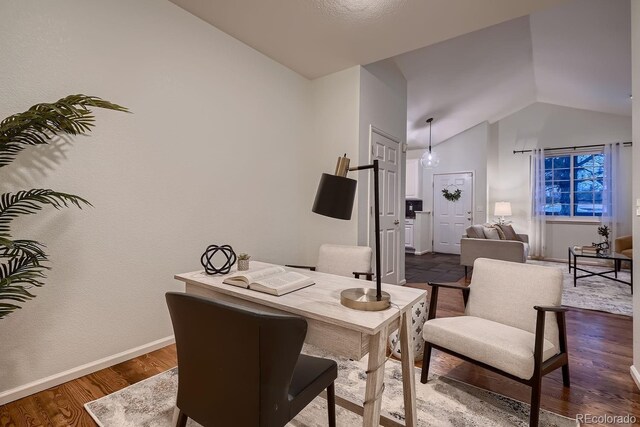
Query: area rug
point(440, 402)
point(595, 293)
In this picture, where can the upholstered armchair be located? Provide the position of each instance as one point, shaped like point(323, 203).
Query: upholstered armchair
point(343, 260)
point(623, 245)
point(513, 324)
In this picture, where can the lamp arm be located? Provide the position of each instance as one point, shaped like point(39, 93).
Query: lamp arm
point(376, 205)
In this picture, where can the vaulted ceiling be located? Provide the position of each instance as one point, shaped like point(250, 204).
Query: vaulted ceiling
point(319, 37)
point(575, 54)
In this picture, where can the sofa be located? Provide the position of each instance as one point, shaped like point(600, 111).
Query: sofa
point(492, 241)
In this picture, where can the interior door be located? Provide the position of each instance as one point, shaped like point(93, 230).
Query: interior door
point(387, 152)
point(451, 218)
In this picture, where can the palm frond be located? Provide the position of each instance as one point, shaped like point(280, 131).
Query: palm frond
point(16, 277)
point(71, 115)
point(23, 248)
point(28, 202)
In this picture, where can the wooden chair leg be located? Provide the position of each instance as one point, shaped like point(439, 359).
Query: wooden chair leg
point(426, 360)
point(465, 272)
point(536, 390)
point(331, 405)
point(566, 378)
point(181, 421)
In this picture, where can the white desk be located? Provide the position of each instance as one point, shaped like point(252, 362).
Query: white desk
point(333, 327)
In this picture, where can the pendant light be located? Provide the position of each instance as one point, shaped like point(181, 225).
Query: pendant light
point(429, 160)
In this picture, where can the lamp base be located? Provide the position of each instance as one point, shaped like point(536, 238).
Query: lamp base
point(364, 299)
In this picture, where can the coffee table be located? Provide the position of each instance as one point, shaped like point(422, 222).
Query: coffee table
point(616, 257)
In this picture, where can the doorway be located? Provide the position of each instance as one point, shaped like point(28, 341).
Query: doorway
point(451, 217)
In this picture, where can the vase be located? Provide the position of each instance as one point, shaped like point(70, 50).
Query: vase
point(243, 264)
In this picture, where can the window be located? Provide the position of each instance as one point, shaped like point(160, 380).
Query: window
point(574, 185)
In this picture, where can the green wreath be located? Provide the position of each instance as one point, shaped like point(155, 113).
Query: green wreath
point(452, 197)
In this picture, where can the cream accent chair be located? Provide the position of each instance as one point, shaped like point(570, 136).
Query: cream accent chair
point(343, 260)
point(513, 324)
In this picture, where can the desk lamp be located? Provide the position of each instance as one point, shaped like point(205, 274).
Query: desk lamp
point(334, 199)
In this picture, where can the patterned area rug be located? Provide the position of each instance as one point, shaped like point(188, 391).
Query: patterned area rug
point(595, 293)
point(440, 402)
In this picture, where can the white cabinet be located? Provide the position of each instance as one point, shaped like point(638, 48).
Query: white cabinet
point(417, 233)
point(413, 187)
point(408, 233)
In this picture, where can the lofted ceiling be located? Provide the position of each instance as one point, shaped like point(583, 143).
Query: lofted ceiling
point(575, 54)
point(319, 37)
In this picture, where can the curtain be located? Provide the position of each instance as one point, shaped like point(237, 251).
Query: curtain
point(538, 201)
point(609, 194)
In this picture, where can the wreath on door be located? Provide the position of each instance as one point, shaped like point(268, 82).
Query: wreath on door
point(452, 196)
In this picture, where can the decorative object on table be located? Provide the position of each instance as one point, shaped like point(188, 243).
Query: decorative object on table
point(334, 199)
point(418, 317)
point(601, 248)
point(24, 261)
point(501, 210)
point(605, 231)
point(207, 259)
point(452, 197)
point(243, 262)
point(429, 160)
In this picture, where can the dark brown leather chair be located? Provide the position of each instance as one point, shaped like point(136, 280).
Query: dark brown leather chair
point(243, 367)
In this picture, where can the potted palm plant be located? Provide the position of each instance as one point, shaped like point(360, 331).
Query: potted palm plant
point(23, 262)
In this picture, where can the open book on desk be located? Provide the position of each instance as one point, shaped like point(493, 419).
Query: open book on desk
point(272, 280)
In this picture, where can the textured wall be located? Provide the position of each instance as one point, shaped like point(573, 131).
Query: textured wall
point(212, 153)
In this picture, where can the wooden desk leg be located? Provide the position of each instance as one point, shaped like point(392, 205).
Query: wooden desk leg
point(408, 370)
point(375, 378)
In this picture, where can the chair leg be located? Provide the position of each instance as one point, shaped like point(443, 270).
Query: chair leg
point(181, 421)
point(465, 272)
point(536, 390)
point(426, 360)
point(566, 378)
point(331, 405)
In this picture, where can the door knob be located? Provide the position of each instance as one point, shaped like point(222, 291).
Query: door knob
point(396, 222)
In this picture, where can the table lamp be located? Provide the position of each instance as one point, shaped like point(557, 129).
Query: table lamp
point(501, 210)
point(334, 199)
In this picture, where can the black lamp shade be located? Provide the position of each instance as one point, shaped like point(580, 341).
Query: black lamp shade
point(335, 196)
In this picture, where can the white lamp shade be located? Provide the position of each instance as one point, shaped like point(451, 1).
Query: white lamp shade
point(502, 209)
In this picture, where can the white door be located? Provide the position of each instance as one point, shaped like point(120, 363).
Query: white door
point(387, 152)
point(451, 218)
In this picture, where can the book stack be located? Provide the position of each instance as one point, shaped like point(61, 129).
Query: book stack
point(586, 250)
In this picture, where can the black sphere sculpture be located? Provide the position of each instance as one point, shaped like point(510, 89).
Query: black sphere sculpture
point(207, 256)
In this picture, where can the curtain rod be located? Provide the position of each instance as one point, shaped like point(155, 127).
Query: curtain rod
point(577, 147)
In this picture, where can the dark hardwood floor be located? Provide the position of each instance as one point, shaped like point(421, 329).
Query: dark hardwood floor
point(600, 347)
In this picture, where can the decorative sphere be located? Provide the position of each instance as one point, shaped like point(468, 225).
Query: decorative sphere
point(207, 259)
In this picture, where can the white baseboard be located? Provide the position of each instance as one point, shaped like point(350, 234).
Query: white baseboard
point(635, 375)
point(421, 252)
point(403, 282)
point(82, 370)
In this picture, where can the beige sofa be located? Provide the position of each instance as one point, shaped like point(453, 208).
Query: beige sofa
point(472, 248)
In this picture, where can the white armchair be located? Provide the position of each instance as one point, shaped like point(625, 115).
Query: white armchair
point(513, 324)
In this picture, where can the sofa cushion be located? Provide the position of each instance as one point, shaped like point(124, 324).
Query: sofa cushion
point(495, 344)
point(475, 232)
point(509, 232)
point(491, 233)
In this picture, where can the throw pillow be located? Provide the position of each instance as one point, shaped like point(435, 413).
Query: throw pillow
point(491, 233)
point(475, 232)
point(509, 232)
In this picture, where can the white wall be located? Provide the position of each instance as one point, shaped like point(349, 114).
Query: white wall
point(465, 152)
point(335, 131)
point(635, 52)
point(548, 126)
point(214, 152)
point(383, 105)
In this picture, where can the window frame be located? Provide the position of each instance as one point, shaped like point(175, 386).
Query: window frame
point(572, 217)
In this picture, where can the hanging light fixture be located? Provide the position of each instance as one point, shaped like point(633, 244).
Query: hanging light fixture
point(429, 160)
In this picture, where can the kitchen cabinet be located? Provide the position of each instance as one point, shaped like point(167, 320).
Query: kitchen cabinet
point(417, 233)
point(413, 186)
point(408, 233)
